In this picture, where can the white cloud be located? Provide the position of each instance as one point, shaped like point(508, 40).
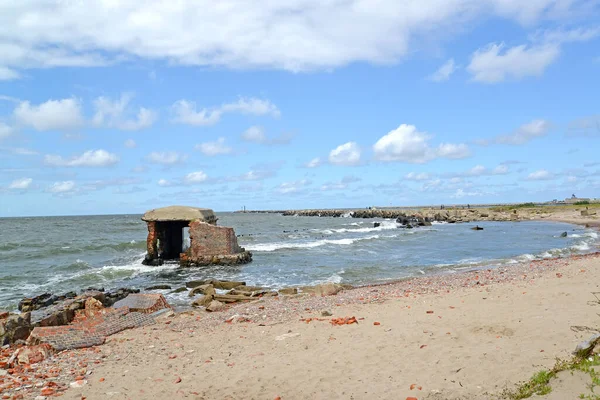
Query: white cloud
point(496, 63)
point(23, 183)
point(453, 151)
point(195, 177)
point(540, 175)
point(582, 127)
point(345, 154)
point(164, 183)
point(315, 162)
point(406, 144)
point(130, 143)
point(5, 131)
point(443, 73)
point(185, 111)
point(256, 134)
point(292, 187)
point(526, 132)
point(7, 74)
point(295, 35)
point(214, 148)
point(477, 170)
point(114, 113)
point(91, 158)
point(51, 115)
point(341, 185)
point(166, 157)
point(62, 187)
point(413, 176)
point(566, 36)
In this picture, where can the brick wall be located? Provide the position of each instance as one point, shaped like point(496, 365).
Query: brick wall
point(211, 240)
point(151, 240)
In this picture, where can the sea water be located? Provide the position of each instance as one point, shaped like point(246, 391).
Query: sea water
point(61, 254)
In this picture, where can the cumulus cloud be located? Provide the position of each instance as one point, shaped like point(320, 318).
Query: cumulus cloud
point(91, 158)
point(62, 187)
point(185, 112)
point(496, 63)
point(166, 157)
point(443, 73)
point(581, 127)
point(195, 177)
point(115, 113)
point(51, 115)
point(525, 133)
point(215, 148)
point(164, 183)
point(256, 134)
point(296, 35)
point(406, 144)
point(341, 185)
point(540, 175)
point(20, 184)
point(345, 154)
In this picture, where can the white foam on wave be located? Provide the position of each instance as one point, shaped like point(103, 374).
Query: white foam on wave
point(583, 246)
point(137, 268)
point(385, 225)
point(335, 278)
point(439, 222)
point(306, 245)
point(347, 215)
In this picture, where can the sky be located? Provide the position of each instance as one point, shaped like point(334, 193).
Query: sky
point(120, 106)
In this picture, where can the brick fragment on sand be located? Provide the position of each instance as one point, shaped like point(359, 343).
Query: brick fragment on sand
point(376, 323)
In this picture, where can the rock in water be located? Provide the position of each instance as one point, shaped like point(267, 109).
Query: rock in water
point(564, 234)
point(376, 224)
point(477, 228)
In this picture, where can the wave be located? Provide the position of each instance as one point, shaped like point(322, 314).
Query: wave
point(385, 225)
point(307, 245)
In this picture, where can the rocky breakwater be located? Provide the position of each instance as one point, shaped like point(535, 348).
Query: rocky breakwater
point(421, 217)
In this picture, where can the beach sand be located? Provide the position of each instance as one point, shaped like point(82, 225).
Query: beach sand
point(467, 335)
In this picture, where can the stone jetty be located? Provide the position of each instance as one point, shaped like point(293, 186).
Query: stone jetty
point(404, 216)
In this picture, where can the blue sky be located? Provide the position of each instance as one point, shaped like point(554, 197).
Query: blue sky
point(111, 106)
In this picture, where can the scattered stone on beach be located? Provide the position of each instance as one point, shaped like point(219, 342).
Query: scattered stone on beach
point(215, 306)
point(207, 290)
point(230, 298)
point(158, 287)
point(33, 354)
point(288, 291)
point(326, 313)
point(203, 301)
point(326, 289)
point(144, 303)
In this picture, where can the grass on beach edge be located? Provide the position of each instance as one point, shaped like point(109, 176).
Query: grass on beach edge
point(539, 384)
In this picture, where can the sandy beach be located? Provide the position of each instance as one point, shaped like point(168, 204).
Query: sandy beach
point(455, 336)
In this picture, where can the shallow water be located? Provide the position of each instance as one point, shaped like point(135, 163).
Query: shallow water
point(59, 254)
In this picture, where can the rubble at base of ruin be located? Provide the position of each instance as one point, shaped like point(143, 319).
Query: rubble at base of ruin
point(209, 244)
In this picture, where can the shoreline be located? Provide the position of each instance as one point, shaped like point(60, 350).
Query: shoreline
point(518, 315)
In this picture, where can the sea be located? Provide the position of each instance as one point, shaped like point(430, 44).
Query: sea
point(61, 254)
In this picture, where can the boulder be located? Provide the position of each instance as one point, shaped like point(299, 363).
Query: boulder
point(216, 306)
point(229, 298)
point(203, 301)
point(564, 234)
point(376, 224)
point(226, 285)
point(159, 287)
point(93, 307)
point(144, 303)
point(193, 284)
point(288, 291)
point(15, 327)
point(207, 290)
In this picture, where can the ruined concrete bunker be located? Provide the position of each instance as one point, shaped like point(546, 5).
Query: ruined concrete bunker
point(170, 227)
